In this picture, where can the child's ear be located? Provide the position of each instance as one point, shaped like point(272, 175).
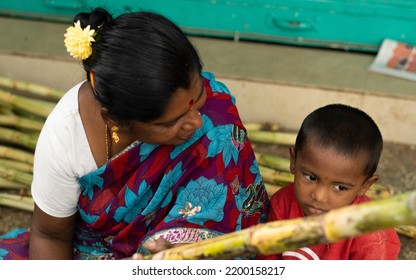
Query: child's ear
point(292, 159)
point(370, 181)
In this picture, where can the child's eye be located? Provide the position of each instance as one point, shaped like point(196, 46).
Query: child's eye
point(310, 177)
point(340, 188)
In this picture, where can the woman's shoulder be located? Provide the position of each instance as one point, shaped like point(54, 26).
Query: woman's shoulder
point(215, 85)
point(63, 130)
point(220, 105)
point(217, 88)
point(64, 127)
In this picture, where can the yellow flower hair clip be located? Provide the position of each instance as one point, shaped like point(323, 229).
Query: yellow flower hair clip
point(78, 41)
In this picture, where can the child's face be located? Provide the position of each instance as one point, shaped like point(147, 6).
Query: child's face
point(325, 180)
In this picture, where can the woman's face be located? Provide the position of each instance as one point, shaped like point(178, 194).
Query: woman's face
point(180, 120)
point(326, 179)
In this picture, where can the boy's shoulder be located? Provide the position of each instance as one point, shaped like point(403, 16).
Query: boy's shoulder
point(361, 199)
point(283, 193)
point(283, 204)
point(382, 244)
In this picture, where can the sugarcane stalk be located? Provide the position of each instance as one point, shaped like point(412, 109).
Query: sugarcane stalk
point(272, 137)
point(9, 184)
point(21, 122)
point(252, 126)
point(15, 175)
point(272, 188)
point(5, 110)
point(16, 154)
point(275, 162)
point(17, 201)
point(21, 166)
point(40, 91)
point(273, 176)
point(279, 236)
point(409, 231)
point(377, 191)
point(17, 137)
point(33, 106)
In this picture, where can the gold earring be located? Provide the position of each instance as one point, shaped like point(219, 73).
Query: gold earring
point(114, 133)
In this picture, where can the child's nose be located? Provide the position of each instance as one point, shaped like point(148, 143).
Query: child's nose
point(320, 193)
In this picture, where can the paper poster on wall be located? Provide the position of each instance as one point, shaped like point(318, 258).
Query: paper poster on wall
point(395, 59)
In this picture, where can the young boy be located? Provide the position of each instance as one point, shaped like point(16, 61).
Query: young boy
point(334, 161)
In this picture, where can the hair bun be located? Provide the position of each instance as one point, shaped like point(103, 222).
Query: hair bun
point(97, 19)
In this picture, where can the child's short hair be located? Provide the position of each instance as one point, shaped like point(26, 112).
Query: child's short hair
point(346, 129)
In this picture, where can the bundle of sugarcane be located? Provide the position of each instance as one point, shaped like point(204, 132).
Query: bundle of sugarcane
point(23, 110)
point(36, 90)
point(279, 236)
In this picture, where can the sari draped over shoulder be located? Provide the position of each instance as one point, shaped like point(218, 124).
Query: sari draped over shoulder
point(208, 186)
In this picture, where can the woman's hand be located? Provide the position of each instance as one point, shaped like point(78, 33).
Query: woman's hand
point(153, 247)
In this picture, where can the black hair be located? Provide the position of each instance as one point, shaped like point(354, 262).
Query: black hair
point(139, 60)
point(346, 129)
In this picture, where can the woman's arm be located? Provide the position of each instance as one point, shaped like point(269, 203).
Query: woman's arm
point(51, 238)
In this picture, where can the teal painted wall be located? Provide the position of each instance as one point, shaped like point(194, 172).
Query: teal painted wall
point(349, 24)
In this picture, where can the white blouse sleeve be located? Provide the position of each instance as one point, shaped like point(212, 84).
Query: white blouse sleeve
point(62, 156)
point(55, 187)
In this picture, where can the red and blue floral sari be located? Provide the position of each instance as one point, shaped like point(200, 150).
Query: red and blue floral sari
point(205, 187)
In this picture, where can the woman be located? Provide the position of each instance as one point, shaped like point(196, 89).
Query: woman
point(147, 148)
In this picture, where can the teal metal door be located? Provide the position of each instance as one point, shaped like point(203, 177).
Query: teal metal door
point(359, 25)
